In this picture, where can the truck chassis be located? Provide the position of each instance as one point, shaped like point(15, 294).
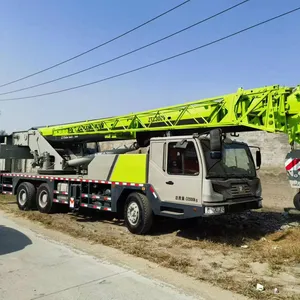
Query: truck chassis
point(136, 203)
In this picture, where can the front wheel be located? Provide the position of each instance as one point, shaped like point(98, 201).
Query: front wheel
point(138, 214)
point(297, 201)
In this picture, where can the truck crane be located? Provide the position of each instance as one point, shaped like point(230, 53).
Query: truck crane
point(183, 164)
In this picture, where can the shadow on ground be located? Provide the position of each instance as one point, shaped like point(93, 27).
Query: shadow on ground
point(235, 230)
point(232, 230)
point(12, 240)
point(90, 216)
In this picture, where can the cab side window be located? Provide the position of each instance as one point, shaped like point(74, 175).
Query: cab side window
point(182, 161)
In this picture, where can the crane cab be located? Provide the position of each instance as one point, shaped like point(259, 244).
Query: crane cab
point(212, 174)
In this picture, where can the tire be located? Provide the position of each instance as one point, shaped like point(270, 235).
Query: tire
point(138, 214)
point(26, 196)
point(297, 201)
point(44, 199)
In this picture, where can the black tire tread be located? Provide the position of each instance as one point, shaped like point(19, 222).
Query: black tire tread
point(31, 191)
point(297, 201)
point(147, 213)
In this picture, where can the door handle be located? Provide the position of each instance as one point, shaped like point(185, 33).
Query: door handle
point(170, 182)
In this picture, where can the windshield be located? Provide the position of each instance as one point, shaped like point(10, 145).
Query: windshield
point(236, 161)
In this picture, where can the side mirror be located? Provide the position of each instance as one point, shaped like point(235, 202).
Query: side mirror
point(215, 140)
point(258, 159)
point(216, 143)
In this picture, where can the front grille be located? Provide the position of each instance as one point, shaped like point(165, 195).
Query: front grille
point(240, 190)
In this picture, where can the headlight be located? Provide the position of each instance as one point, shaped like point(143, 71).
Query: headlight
point(215, 210)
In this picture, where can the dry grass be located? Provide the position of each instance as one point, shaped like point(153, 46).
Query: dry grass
point(212, 252)
point(248, 288)
point(278, 249)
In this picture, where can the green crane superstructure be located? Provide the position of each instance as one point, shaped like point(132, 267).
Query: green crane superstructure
point(272, 109)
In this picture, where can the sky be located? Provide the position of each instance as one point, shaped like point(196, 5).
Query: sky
point(36, 34)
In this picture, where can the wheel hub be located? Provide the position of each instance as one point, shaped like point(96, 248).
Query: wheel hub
point(133, 213)
point(43, 199)
point(22, 197)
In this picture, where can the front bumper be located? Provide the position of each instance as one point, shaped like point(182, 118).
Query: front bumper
point(230, 206)
point(184, 211)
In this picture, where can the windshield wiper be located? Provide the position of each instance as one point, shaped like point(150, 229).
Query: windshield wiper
point(217, 176)
point(234, 175)
point(230, 175)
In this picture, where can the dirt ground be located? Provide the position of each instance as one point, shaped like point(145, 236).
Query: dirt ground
point(234, 252)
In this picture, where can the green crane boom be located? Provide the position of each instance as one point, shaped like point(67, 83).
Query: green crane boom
point(272, 109)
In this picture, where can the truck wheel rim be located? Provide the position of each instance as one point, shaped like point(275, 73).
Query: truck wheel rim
point(133, 213)
point(22, 198)
point(43, 199)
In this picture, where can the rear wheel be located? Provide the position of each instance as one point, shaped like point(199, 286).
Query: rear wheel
point(297, 201)
point(44, 199)
point(138, 214)
point(26, 196)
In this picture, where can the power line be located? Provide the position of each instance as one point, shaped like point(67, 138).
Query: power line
point(156, 62)
point(128, 53)
point(96, 47)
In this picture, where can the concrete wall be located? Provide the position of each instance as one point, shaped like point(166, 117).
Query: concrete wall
point(117, 144)
point(274, 147)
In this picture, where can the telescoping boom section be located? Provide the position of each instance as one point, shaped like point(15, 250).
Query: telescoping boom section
point(183, 164)
point(271, 109)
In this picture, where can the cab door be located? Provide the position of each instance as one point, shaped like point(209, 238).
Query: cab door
point(175, 170)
